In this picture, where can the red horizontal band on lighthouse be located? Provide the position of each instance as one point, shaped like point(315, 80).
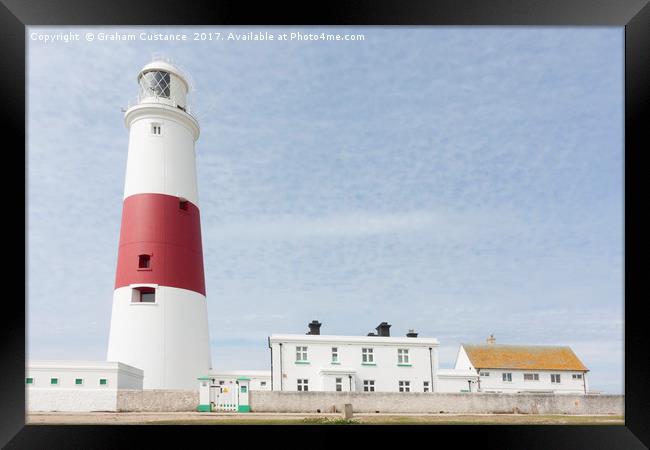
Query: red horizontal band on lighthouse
point(160, 243)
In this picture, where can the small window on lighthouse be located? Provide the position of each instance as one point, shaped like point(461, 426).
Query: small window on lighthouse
point(182, 204)
point(156, 129)
point(144, 262)
point(144, 295)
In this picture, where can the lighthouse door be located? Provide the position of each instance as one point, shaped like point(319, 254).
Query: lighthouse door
point(227, 398)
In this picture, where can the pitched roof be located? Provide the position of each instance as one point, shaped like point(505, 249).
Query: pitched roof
point(498, 356)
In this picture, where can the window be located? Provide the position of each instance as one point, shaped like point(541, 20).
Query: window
point(29, 381)
point(155, 82)
point(405, 386)
point(144, 295)
point(182, 204)
point(243, 389)
point(531, 377)
point(368, 385)
point(301, 353)
point(507, 377)
point(426, 386)
point(78, 381)
point(555, 378)
point(156, 129)
point(103, 381)
point(144, 261)
point(339, 384)
point(221, 382)
point(367, 355)
point(402, 356)
point(263, 383)
point(577, 376)
point(484, 374)
point(335, 354)
point(303, 385)
point(54, 381)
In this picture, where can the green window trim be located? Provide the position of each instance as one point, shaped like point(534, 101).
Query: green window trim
point(54, 381)
point(29, 380)
point(103, 381)
point(302, 362)
point(78, 381)
point(335, 362)
point(404, 365)
point(368, 364)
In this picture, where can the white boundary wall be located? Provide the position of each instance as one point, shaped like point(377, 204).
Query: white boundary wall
point(474, 403)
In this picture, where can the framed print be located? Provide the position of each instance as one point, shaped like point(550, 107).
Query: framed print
point(357, 214)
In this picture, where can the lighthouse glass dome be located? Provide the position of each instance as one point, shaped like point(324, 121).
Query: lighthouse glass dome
point(155, 83)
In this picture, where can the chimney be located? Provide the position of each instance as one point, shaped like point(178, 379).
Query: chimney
point(383, 329)
point(411, 333)
point(491, 340)
point(314, 327)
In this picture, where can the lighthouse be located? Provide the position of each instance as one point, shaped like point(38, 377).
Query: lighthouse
point(159, 319)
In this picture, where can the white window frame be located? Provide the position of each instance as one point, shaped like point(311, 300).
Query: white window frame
point(506, 377)
point(404, 385)
point(484, 374)
point(302, 385)
point(368, 385)
point(425, 386)
point(367, 355)
point(556, 378)
point(576, 376)
point(533, 377)
point(335, 354)
point(403, 356)
point(338, 384)
point(301, 353)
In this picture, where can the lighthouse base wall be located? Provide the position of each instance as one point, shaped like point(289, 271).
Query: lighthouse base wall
point(168, 339)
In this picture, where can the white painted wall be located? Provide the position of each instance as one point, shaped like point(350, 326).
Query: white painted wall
point(453, 380)
point(168, 339)
point(164, 164)
point(385, 372)
point(42, 395)
point(494, 382)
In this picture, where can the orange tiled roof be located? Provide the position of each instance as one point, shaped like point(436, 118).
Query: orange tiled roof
point(498, 356)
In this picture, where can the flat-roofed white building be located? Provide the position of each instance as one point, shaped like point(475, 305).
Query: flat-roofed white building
point(260, 380)
point(524, 368)
point(373, 363)
point(78, 385)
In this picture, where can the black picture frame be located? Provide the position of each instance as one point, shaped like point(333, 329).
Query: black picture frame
point(634, 15)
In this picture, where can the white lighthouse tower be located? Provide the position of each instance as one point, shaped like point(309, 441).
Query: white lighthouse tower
point(159, 321)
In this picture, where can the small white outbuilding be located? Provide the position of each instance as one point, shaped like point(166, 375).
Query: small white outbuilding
point(78, 385)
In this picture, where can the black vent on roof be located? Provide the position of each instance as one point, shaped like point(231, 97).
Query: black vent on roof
point(411, 333)
point(314, 327)
point(383, 329)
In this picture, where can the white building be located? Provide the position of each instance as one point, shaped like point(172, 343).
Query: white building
point(524, 368)
point(260, 380)
point(78, 385)
point(373, 363)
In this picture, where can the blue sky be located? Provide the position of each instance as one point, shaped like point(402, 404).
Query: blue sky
point(458, 181)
